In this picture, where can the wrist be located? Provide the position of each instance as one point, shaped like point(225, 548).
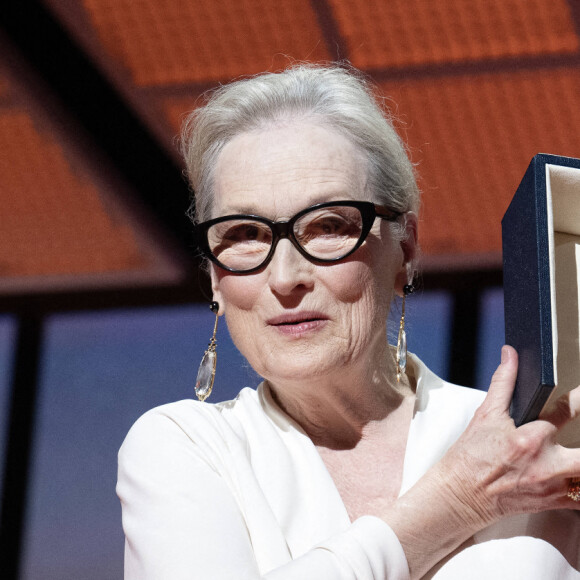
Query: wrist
point(435, 517)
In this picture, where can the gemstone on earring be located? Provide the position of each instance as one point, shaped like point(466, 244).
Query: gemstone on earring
point(205, 375)
point(401, 354)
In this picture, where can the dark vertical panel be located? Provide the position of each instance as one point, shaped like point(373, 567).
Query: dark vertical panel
point(19, 440)
point(463, 352)
point(7, 336)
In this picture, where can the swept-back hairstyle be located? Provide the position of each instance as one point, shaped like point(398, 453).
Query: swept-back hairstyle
point(333, 96)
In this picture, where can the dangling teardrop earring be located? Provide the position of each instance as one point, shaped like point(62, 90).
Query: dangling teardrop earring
point(401, 353)
point(206, 372)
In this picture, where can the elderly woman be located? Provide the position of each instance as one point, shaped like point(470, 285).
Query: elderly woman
point(345, 462)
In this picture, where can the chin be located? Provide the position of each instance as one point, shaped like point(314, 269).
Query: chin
point(298, 364)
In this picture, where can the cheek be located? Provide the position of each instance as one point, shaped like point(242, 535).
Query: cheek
point(239, 292)
point(240, 297)
point(367, 280)
point(348, 282)
point(360, 301)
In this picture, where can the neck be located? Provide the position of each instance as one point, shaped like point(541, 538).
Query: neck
point(337, 411)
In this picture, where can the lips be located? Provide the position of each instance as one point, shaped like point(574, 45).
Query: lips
point(296, 318)
point(298, 324)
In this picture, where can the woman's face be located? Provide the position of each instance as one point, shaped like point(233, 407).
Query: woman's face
point(296, 319)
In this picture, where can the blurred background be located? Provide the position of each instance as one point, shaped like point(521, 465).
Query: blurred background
point(103, 309)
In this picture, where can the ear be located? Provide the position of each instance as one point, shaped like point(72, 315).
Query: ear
point(409, 247)
point(215, 288)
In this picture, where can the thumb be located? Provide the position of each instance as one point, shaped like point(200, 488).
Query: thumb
point(503, 381)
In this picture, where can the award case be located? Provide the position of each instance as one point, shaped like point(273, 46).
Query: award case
point(541, 270)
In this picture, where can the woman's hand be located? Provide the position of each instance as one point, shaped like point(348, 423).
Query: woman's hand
point(494, 470)
point(503, 470)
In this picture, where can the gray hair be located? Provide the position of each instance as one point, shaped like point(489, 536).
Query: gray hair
point(335, 97)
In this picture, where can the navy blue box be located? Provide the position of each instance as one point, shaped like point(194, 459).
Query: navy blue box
point(541, 271)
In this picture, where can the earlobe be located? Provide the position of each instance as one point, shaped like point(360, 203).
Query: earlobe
point(215, 288)
point(409, 247)
point(405, 276)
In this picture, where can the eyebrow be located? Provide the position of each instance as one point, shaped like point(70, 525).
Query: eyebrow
point(239, 209)
point(322, 198)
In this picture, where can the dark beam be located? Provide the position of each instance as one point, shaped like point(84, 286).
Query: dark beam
point(477, 67)
point(335, 43)
point(574, 6)
point(19, 444)
point(461, 280)
point(92, 102)
point(195, 289)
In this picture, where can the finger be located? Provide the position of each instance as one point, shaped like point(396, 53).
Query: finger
point(564, 409)
point(503, 381)
point(569, 463)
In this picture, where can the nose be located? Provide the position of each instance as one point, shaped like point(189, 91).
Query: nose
point(288, 270)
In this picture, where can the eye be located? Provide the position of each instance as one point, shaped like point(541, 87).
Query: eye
point(239, 235)
point(329, 224)
point(245, 233)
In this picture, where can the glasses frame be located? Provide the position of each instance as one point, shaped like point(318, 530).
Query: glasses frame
point(284, 229)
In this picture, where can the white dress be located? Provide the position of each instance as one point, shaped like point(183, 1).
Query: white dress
point(237, 491)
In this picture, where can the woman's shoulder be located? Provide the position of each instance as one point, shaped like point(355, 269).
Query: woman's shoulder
point(214, 428)
point(191, 409)
point(230, 438)
point(194, 417)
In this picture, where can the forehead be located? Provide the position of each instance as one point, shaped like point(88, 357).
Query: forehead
point(281, 170)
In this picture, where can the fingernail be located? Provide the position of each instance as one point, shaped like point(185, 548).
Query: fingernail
point(505, 354)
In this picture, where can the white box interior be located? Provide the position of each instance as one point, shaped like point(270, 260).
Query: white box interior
point(563, 198)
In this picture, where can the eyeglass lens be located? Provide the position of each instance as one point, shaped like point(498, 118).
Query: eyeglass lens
point(327, 233)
